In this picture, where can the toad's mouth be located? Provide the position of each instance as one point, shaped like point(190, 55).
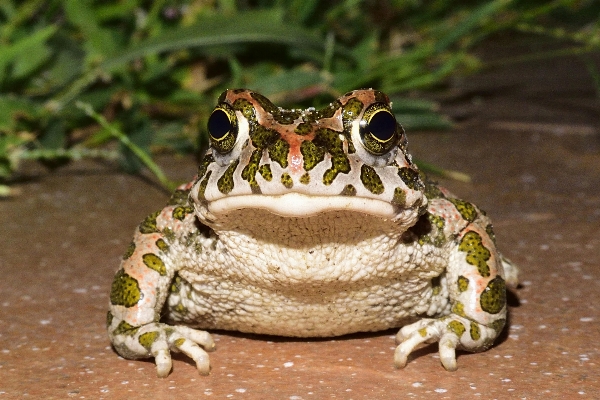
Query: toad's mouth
point(297, 205)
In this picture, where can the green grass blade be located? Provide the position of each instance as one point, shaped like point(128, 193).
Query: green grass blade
point(249, 27)
point(136, 150)
point(474, 19)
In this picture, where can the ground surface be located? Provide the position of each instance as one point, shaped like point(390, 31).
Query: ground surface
point(529, 137)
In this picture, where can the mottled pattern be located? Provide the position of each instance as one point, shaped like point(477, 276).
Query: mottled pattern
point(226, 182)
point(308, 223)
point(149, 224)
point(129, 251)
point(312, 154)
point(463, 283)
point(125, 290)
point(371, 180)
point(477, 253)
point(154, 262)
point(493, 298)
point(474, 331)
point(147, 339)
point(411, 178)
point(466, 210)
point(456, 327)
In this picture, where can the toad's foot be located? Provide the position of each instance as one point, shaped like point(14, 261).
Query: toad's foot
point(158, 340)
point(451, 332)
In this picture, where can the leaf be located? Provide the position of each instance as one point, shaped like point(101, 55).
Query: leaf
point(248, 27)
point(476, 17)
point(31, 43)
point(100, 41)
point(29, 61)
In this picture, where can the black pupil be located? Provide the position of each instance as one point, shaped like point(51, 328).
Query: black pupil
point(219, 124)
point(382, 125)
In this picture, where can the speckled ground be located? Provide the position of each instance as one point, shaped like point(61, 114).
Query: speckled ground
point(528, 136)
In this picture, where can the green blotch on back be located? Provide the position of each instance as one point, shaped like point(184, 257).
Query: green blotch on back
point(148, 225)
point(154, 262)
point(331, 142)
point(325, 112)
point(497, 325)
point(264, 103)
point(348, 190)
point(147, 339)
point(311, 154)
point(203, 167)
point(351, 110)
point(466, 209)
point(129, 251)
point(493, 298)
point(303, 128)
point(125, 329)
point(432, 190)
point(179, 198)
point(459, 309)
point(168, 234)
point(225, 182)
point(202, 186)
point(430, 230)
point(371, 179)
point(162, 245)
point(477, 253)
point(463, 283)
point(474, 331)
point(180, 212)
point(305, 178)
point(246, 108)
point(125, 290)
point(457, 327)
point(250, 170)
point(263, 137)
point(279, 152)
point(109, 319)
point(411, 178)
point(265, 172)
point(287, 181)
point(399, 198)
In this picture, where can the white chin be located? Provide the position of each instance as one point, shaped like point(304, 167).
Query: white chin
point(300, 205)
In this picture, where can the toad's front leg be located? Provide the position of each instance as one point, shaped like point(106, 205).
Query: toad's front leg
point(477, 292)
point(139, 291)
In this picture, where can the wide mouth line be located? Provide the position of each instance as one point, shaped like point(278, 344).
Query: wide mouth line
point(302, 205)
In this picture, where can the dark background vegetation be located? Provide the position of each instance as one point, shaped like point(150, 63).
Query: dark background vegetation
point(124, 80)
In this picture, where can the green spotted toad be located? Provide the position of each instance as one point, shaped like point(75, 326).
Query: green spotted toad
point(309, 223)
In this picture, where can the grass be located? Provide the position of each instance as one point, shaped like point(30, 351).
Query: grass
point(122, 80)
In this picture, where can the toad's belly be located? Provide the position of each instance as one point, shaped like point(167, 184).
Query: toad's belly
point(304, 312)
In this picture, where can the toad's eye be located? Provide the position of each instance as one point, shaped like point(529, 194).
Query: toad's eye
point(223, 128)
point(378, 129)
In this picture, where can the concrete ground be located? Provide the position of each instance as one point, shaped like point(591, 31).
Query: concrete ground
point(529, 137)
